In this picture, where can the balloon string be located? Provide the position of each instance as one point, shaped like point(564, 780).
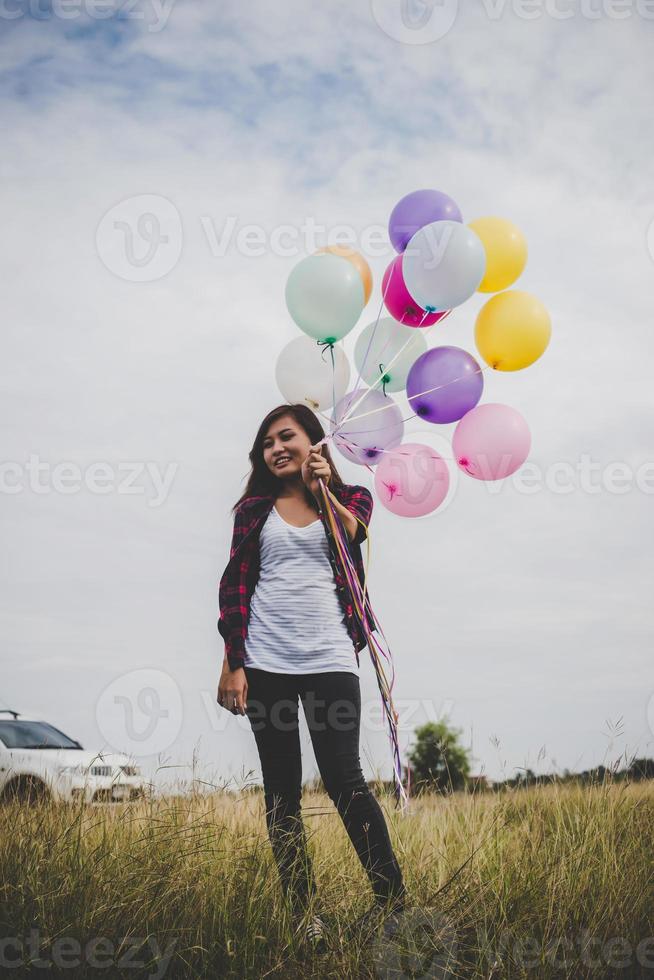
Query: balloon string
point(331, 351)
point(364, 613)
point(355, 584)
point(352, 446)
point(409, 340)
point(329, 344)
point(361, 603)
point(392, 404)
point(419, 394)
point(357, 402)
point(372, 335)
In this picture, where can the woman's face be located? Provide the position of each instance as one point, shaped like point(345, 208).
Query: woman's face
point(287, 444)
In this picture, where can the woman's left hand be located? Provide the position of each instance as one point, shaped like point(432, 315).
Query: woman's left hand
point(314, 467)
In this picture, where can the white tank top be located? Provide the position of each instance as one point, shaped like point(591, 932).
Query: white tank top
point(296, 624)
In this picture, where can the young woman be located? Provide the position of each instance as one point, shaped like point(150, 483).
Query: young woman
point(290, 631)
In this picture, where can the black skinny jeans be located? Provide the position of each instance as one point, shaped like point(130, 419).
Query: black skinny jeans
point(332, 707)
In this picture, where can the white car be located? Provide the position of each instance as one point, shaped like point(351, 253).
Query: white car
point(37, 760)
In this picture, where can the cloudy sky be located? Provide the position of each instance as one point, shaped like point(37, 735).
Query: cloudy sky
point(139, 360)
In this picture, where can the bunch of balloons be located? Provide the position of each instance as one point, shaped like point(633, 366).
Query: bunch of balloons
point(441, 263)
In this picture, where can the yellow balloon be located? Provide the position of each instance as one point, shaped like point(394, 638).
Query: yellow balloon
point(357, 261)
point(512, 330)
point(506, 252)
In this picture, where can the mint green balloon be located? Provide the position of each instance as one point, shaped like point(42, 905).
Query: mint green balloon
point(324, 295)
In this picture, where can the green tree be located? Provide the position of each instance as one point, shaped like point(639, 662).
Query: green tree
point(437, 759)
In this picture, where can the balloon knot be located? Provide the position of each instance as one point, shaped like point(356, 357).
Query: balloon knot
point(385, 379)
point(327, 345)
point(392, 489)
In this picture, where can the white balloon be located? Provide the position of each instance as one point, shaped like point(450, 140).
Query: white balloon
point(304, 373)
point(386, 341)
point(443, 265)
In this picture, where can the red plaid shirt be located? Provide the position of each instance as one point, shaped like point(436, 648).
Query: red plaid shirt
point(242, 571)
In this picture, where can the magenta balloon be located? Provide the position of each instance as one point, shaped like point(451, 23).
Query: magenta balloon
point(399, 302)
point(455, 375)
point(415, 211)
point(412, 480)
point(491, 442)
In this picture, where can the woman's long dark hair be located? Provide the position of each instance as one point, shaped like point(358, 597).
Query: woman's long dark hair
point(260, 480)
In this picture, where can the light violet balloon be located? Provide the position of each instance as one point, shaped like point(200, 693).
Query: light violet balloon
point(443, 265)
point(400, 303)
point(491, 442)
point(305, 375)
point(412, 480)
point(417, 209)
point(362, 439)
point(456, 378)
point(379, 345)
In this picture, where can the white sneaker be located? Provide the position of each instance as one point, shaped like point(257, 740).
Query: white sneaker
point(312, 932)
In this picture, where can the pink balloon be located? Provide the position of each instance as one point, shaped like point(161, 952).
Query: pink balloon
point(412, 480)
point(491, 441)
point(399, 302)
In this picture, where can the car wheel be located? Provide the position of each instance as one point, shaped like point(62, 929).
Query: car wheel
point(26, 789)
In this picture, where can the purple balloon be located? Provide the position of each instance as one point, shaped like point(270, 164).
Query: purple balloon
point(415, 211)
point(455, 375)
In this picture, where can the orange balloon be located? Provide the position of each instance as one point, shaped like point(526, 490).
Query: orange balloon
point(357, 261)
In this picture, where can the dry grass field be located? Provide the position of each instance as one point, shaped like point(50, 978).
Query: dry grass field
point(550, 881)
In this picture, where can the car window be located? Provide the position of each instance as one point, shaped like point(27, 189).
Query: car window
point(34, 735)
